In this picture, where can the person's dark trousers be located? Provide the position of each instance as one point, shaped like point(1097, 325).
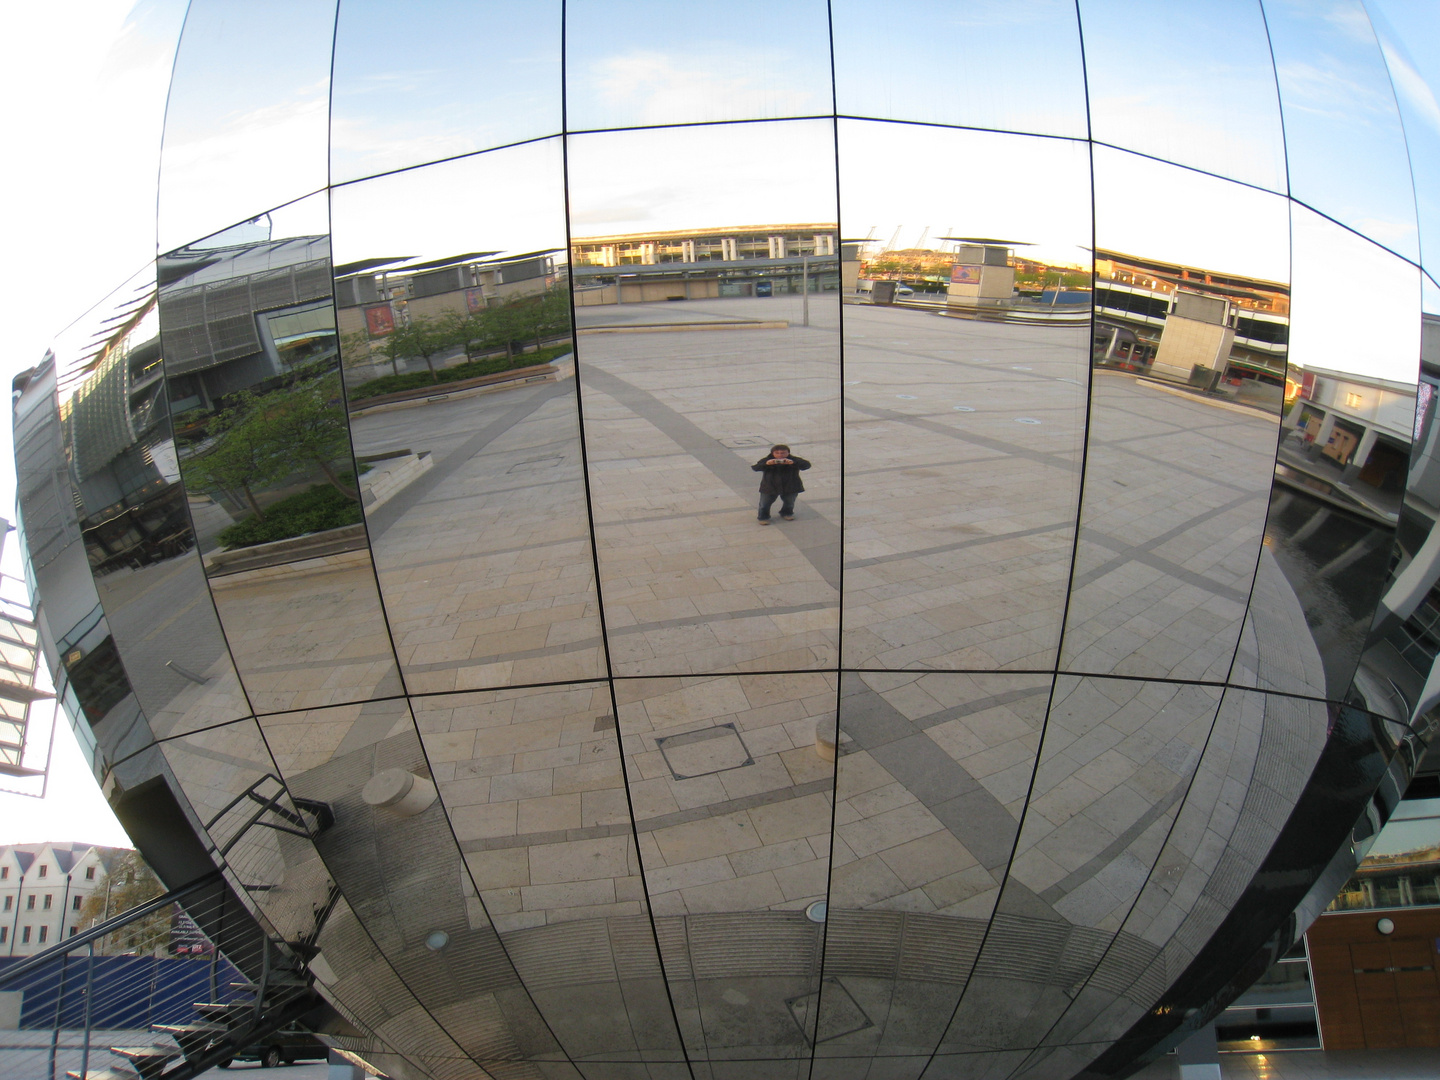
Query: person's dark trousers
point(787, 505)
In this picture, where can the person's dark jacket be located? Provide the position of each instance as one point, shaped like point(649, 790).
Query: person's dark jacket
point(781, 479)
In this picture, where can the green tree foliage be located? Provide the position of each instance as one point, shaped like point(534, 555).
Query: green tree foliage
point(127, 884)
point(260, 439)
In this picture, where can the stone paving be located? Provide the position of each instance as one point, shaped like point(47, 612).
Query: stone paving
point(962, 458)
point(1176, 494)
point(485, 563)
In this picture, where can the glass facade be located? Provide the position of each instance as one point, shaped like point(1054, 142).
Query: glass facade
point(767, 545)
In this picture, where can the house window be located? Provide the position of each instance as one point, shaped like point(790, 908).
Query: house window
point(4, 933)
point(30, 902)
point(8, 899)
point(75, 905)
point(73, 930)
point(44, 870)
point(49, 900)
point(25, 935)
point(4, 872)
point(89, 873)
point(44, 931)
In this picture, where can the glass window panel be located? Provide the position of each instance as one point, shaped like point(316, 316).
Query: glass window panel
point(405, 89)
point(252, 370)
point(1342, 466)
point(1192, 313)
point(931, 786)
point(463, 412)
point(964, 434)
point(241, 136)
point(1116, 762)
point(648, 62)
point(405, 881)
point(990, 64)
point(678, 424)
point(1415, 75)
point(731, 784)
point(1196, 87)
point(1343, 137)
point(141, 550)
point(534, 787)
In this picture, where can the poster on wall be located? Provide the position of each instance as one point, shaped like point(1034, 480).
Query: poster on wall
point(965, 274)
point(379, 320)
point(474, 300)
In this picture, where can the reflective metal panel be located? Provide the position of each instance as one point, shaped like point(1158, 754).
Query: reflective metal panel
point(991, 64)
point(252, 373)
point(684, 399)
point(1256, 763)
point(1116, 761)
point(406, 90)
point(1192, 312)
point(534, 787)
point(731, 786)
point(245, 123)
point(964, 434)
point(1415, 75)
point(1396, 676)
point(84, 664)
point(647, 62)
point(392, 853)
point(356, 978)
point(132, 509)
point(1196, 86)
point(1341, 471)
point(933, 775)
point(1343, 137)
point(256, 832)
point(459, 373)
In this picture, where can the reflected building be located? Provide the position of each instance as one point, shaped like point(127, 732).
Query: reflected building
point(412, 495)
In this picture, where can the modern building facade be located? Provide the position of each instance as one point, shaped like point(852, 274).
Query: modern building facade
point(1055, 716)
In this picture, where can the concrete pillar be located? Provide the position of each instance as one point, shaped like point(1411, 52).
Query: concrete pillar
point(1362, 453)
point(1114, 339)
point(1200, 1055)
point(1323, 436)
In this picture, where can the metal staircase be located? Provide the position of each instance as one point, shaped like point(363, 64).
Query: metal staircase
point(276, 988)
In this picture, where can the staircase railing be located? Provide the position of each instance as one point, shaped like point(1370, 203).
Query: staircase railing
point(148, 992)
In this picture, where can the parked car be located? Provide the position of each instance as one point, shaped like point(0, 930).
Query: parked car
point(283, 1047)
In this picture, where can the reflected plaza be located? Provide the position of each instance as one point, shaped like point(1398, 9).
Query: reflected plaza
point(409, 493)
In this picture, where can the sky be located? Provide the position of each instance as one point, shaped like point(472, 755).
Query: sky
point(94, 76)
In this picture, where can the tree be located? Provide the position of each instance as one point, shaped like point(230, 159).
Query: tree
point(127, 884)
point(261, 438)
point(307, 422)
point(421, 338)
point(242, 455)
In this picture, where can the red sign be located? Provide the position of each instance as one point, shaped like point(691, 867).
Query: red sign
point(379, 320)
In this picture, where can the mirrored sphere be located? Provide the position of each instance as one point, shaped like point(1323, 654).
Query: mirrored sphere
point(793, 541)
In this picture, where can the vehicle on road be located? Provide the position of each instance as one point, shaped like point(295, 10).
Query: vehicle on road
point(282, 1048)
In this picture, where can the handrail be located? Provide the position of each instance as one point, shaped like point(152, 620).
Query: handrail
point(99, 930)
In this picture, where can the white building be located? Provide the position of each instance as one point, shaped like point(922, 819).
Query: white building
point(42, 889)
